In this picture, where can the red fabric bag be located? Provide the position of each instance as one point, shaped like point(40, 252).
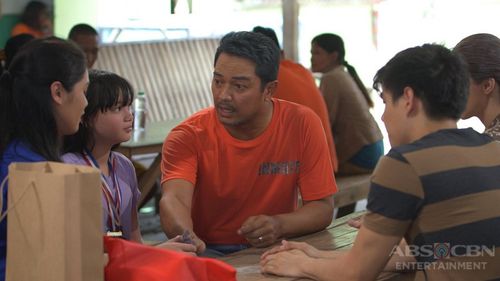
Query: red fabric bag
point(130, 261)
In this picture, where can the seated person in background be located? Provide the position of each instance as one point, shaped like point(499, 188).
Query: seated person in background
point(358, 139)
point(13, 45)
point(35, 20)
point(231, 173)
point(482, 54)
point(437, 187)
point(296, 84)
point(106, 123)
point(87, 38)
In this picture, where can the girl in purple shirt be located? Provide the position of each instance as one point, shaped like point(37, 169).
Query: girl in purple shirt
point(106, 123)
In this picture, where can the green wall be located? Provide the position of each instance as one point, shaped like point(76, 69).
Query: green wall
point(7, 22)
point(70, 12)
point(66, 14)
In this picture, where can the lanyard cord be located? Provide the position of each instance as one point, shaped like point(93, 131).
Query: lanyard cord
point(113, 206)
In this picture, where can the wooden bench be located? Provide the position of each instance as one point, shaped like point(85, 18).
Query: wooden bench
point(351, 189)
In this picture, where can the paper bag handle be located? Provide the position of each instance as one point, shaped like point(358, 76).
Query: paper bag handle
point(2, 187)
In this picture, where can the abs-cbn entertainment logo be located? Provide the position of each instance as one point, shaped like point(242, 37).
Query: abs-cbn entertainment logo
point(444, 250)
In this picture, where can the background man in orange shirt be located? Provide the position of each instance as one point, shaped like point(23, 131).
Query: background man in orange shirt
point(231, 173)
point(296, 84)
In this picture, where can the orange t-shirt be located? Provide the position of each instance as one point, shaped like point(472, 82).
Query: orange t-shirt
point(296, 84)
point(22, 28)
point(236, 179)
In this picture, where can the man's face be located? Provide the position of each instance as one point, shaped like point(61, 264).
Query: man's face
point(394, 118)
point(90, 46)
point(236, 89)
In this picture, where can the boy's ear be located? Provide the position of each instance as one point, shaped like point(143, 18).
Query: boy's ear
point(411, 103)
point(56, 91)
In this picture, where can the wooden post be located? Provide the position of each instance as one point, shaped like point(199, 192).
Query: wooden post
point(290, 28)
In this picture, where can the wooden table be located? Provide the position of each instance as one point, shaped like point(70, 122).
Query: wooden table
point(148, 141)
point(338, 236)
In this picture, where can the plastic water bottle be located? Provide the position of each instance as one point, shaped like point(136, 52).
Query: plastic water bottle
point(140, 112)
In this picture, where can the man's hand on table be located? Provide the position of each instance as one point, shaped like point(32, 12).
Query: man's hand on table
point(261, 231)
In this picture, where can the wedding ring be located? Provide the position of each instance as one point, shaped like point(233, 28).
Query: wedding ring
point(260, 238)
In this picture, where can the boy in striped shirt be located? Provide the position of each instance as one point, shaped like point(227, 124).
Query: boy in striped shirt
point(438, 187)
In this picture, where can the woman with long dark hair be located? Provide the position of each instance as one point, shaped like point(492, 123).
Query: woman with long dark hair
point(358, 140)
point(42, 99)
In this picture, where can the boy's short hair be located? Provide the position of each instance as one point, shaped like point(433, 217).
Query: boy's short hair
point(438, 77)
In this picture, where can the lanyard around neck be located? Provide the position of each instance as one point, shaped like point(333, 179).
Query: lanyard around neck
point(113, 206)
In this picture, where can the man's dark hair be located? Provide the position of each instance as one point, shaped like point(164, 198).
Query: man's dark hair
point(437, 76)
point(81, 29)
point(32, 12)
point(14, 44)
point(255, 47)
point(269, 32)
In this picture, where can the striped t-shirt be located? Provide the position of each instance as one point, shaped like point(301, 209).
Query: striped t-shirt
point(442, 193)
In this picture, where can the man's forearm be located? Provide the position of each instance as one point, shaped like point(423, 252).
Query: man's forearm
point(328, 269)
point(311, 217)
point(395, 262)
point(175, 217)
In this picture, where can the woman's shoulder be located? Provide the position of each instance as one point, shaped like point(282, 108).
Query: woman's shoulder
point(340, 79)
point(19, 151)
point(337, 73)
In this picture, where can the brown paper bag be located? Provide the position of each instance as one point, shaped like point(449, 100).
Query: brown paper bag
point(54, 223)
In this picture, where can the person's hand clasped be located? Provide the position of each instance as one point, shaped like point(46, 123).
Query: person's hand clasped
point(178, 246)
point(190, 244)
point(289, 245)
point(260, 231)
point(355, 222)
point(284, 263)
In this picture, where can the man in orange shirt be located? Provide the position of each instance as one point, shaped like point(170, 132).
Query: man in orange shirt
point(231, 173)
point(296, 84)
point(35, 20)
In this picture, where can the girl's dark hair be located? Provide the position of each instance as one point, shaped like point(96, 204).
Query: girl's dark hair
point(106, 89)
point(333, 43)
point(32, 12)
point(26, 110)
